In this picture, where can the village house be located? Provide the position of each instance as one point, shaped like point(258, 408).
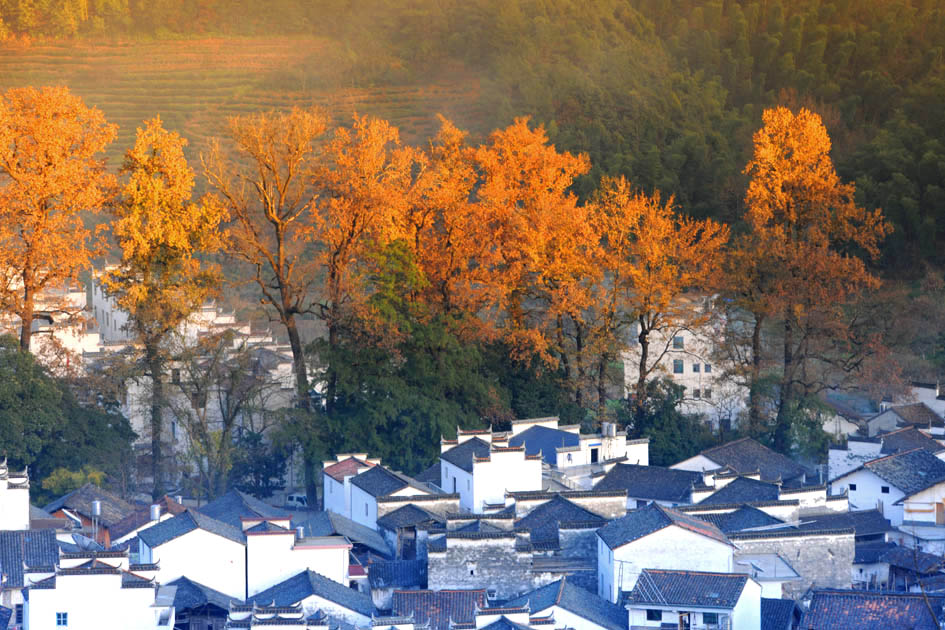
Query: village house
point(747, 456)
point(441, 609)
point(317, 593)
point(14, 499)
point(656, 537)
point(376, 482)
point(858, 450)
point(385, 577)
point(336, 480)
point(26, 557)
point(643, 484)
point(696, 600)
point(94, 509)
point(199, 607)
point(571, 606)
point(481, 467)
point(896, 417)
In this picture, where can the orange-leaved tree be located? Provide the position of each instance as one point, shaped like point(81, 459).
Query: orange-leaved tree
point(808, 241)
point(662, 264)
point(161, 278)
point(268, 188)
point(51, 173)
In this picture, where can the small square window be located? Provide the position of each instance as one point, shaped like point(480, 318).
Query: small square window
point(654, 615)
point(62, 619)
point(708, 368)
point(710, 618)
point(707, 394)
point(695, 367)
point(678, 343)
point(677, 366)
point(884, 489)
point(695, 393)
point(852, 487)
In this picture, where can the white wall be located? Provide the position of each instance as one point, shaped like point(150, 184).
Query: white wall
point(212, 560)
point(455, 479)
point(747, 612)
point(314, 603)
point(869, 493)
point(922, 506)
point(363, 507)
point(274, 557)
point(698, 463)
point(671, 548)
point(14, 505)
point(93, 601)
point(506, 471)
point(336, 495)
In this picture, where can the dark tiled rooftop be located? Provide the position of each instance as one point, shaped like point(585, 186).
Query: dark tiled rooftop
point(544, 440)
point(439, 608)
point(688, 588)
point(380, 482)
point(462, 454)
point(654, 483)
point(908, 439)
point(743, 490)
point(331, 524)
point(543, 521)
point(777, 614)
point(913, 560)
point(653, 517)
point(866, 523)
point(308, 583)
point(184, 523)
point(910, 472)
point(576, 600)
point(871, 552)
point(747, 455)
point(398, 574)
point(234, 505)
point(745, 517)
point(114, 508)
point(861, 610)
point(409, 515)
point(918, 413)
point(32, 548)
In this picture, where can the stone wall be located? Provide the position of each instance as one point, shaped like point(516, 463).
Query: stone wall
point(822, 559)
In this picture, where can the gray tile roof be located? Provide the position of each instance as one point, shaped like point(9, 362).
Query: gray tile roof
point(380, 482)
point(32, 548)
point(409, 515)
point(918, 413)
point(913, 560)
point(184, 523)
point(908, 439)
point(576, 600)
point(398, 574)
point(543, 521)
point(430, 475)
point(871, 552)
point(504, 623)
point(688, 588)
point(331, 524)
point(462, 454)
point(545, 440)
point(863, 610)
point(866, 523)
point(743, 518)
point(743, 490)
point(652, 518)
point(777, 614)
point(747, 455)
point(308, 583)
point(234, 505)
point(910, 472)
point(651, 482)
point(114, 508)
point(439, 608)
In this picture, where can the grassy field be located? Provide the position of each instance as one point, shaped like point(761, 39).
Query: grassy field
point(195, 84)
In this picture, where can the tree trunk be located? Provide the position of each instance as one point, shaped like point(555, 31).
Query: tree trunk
point(755, 427)
point(298, 361)
point(26, 319)
point(782, 429)
point(644, 340)
point(156, 367)
point(579, 360)
point(601, 385)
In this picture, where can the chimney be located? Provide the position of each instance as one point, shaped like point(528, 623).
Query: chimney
point(179, 499)
point(155, 512)
point(300, 532)
point(96, 508)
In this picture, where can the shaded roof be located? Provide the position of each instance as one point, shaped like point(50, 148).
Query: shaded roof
point(308, 583)
point(912, 560)
point(871, 552)
point(331, 524)
point(462, 454)
point(864, 522)
point(438, 607)
point(652, 518)
point(574, 599)
point(409, 515)
point(688, 588)
point(863, 610)
point(380, 482)
point(114, 508)
point(747, 456)
point(545, 440)
point(651, 482)
point(346, 468)
point(743, 490)
point(32, 548)
point(504, 623)
point(184, 523)
point(191, 595)
point(918, 413)
point(910, 472)
point(141, 515)
point(397, 574)
point(907, 439)
point(543, 521)
point(745, 517)
point(234, 505)
point(777, 614)
point(431, 474)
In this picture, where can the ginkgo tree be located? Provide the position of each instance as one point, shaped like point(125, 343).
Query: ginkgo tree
point(51, 172)
point(162, 276)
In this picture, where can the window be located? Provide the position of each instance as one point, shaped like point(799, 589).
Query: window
point(654, 615)
point(365, 509)
point(677, 366)
point(678, 343)
point(468, 484)
point(695, 393)
point(708, 368)
point(331, 488)
point(707, 394)
point(695, 368)
point(710, 618)
point(19, 614)
point(852, 487)
point(569, 458)
point(884, 489)
point(62, 619)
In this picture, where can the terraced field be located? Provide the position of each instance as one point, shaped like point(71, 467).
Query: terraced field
point(195, 84)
